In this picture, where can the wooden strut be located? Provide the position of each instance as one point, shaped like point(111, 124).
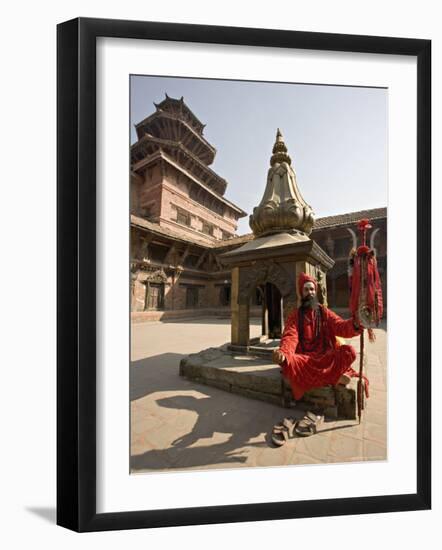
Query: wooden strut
point(363, 225)
point(360, 388)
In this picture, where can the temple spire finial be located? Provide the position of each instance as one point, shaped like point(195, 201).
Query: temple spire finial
point(282, 207)
point(279, 150)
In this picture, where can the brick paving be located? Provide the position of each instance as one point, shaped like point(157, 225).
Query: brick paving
point(177, 424)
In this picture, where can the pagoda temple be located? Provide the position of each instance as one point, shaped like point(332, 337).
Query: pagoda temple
point(179, 214)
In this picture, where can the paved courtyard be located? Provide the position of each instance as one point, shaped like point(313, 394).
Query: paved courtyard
point(181, 425)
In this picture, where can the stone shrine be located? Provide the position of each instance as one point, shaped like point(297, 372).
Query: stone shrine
point(280, 249)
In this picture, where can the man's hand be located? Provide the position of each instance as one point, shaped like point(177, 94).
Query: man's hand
point(277, 356)
point(356, 324)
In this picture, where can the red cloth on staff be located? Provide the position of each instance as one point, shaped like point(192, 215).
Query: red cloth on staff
point(373, 287)
point(318, 361)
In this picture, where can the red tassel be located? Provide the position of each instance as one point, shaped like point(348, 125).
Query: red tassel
point(365, 284)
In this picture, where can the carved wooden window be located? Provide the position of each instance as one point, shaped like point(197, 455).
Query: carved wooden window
point(154, 296)
point(207, 228)
point(183, 217)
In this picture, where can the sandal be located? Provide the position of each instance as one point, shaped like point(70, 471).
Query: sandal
point(308, 425)
point(283, 432)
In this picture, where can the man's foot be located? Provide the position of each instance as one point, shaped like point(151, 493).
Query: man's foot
point(344, 380)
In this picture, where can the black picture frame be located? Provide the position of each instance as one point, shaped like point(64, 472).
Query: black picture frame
point(76, 274)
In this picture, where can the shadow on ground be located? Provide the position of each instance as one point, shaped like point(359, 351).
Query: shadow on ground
point(153, 374)
point(234, 419)
point(213, 417)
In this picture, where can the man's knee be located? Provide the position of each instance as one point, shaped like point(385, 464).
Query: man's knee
point(348, 352)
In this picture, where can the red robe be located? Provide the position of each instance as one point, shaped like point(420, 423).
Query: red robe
point(319, 360)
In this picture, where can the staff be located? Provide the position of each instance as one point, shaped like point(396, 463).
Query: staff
point(365, 298)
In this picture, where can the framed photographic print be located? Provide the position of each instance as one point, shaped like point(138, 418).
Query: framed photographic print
point(243, 274)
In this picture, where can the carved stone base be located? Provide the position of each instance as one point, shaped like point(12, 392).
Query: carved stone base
point(257, 378)
point(272, 265)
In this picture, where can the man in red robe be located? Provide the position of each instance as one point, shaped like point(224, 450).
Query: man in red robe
point(309, 354)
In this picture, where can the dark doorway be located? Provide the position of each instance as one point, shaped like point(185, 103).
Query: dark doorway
point(192, 297)
point(273, 304)
point(225, 295)
point(259, 295)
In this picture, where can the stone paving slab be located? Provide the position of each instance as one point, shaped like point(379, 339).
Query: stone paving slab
point(177, 424)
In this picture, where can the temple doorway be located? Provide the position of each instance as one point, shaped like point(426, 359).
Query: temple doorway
point(154, 296)
point(265, 318)
point(273, 309)
point(269, 298)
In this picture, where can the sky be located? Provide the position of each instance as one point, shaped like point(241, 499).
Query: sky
point(335, 135)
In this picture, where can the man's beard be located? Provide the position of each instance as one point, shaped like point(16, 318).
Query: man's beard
point(310, 302)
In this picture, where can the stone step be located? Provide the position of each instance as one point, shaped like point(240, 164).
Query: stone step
point(258, 347)
point(257, 377)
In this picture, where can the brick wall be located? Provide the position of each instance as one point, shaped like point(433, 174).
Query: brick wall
point(138, 296)
point(136, 183)
point(171, 199)
point(150, 200)
point(163, 190)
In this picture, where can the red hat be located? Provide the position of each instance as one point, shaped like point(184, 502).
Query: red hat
point(304, 278)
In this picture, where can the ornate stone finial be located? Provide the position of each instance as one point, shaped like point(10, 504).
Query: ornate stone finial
point(282, 208)
point(279, 150)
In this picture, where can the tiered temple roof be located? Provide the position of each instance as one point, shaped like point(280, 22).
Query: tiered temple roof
point(174, 129)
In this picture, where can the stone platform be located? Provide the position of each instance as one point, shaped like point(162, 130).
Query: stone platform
point(255, 376)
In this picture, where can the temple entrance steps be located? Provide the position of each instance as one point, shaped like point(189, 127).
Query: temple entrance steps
point(261, 346)
point(253, 375)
